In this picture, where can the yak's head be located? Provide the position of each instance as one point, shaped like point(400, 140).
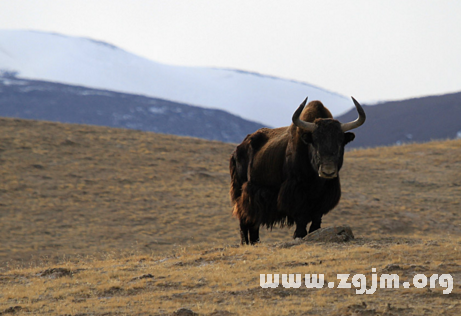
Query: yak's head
point(326, 138)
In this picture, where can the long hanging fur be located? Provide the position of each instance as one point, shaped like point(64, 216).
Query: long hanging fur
point(273, 181)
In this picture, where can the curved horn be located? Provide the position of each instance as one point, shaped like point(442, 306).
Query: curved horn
point(359, 121)
point(310, 127)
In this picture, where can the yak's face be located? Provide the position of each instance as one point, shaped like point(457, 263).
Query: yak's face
point(326, 144)
point(325, 136)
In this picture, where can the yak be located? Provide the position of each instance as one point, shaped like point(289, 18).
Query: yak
point(290, 175)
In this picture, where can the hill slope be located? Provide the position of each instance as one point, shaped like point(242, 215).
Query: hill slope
point(89, 63)
point(42, 100)
point(76, 189)
point(103, 221)
point(407, 121)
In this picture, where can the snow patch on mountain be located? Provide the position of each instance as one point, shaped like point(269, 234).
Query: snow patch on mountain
point(95, 64)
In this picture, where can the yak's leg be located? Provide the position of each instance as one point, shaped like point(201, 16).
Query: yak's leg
point(301, 230)
point(244, 230)
point(316, 222)
point(254, 234)
point(248, 230)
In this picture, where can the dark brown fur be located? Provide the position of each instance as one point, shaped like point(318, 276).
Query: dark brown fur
point(275, 178)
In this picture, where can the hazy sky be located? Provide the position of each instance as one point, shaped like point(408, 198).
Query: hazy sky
point(371, 49)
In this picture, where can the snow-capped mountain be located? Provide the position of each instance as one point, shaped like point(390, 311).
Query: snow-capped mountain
point(94, 64)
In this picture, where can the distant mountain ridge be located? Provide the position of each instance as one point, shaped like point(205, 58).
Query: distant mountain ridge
point(95, 64)
point(41, 100)
point(389, 123)
point(408, 121)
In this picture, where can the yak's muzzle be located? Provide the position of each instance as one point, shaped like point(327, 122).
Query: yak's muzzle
point(328, 171)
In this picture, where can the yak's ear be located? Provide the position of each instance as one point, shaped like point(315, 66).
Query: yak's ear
point(307, 138)
point(348, 137)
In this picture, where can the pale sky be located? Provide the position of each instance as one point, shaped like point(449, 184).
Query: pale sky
point(371, 49)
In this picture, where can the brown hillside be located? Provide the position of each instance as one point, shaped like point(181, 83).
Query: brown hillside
point(101, 221)
point(76, 189)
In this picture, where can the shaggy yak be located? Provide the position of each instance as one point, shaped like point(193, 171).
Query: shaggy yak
point(289, 175)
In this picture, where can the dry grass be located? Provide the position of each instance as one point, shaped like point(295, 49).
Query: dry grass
point(227, 279)
point(70, 189)
point(141, 225)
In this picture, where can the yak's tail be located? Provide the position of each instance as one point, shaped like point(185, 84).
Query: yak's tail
point(236, 185)
point(244, 196)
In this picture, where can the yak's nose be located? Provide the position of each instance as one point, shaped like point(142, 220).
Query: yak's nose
point(328, 171)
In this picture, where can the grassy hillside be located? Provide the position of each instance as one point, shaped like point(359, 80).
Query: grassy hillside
point(140, 223)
